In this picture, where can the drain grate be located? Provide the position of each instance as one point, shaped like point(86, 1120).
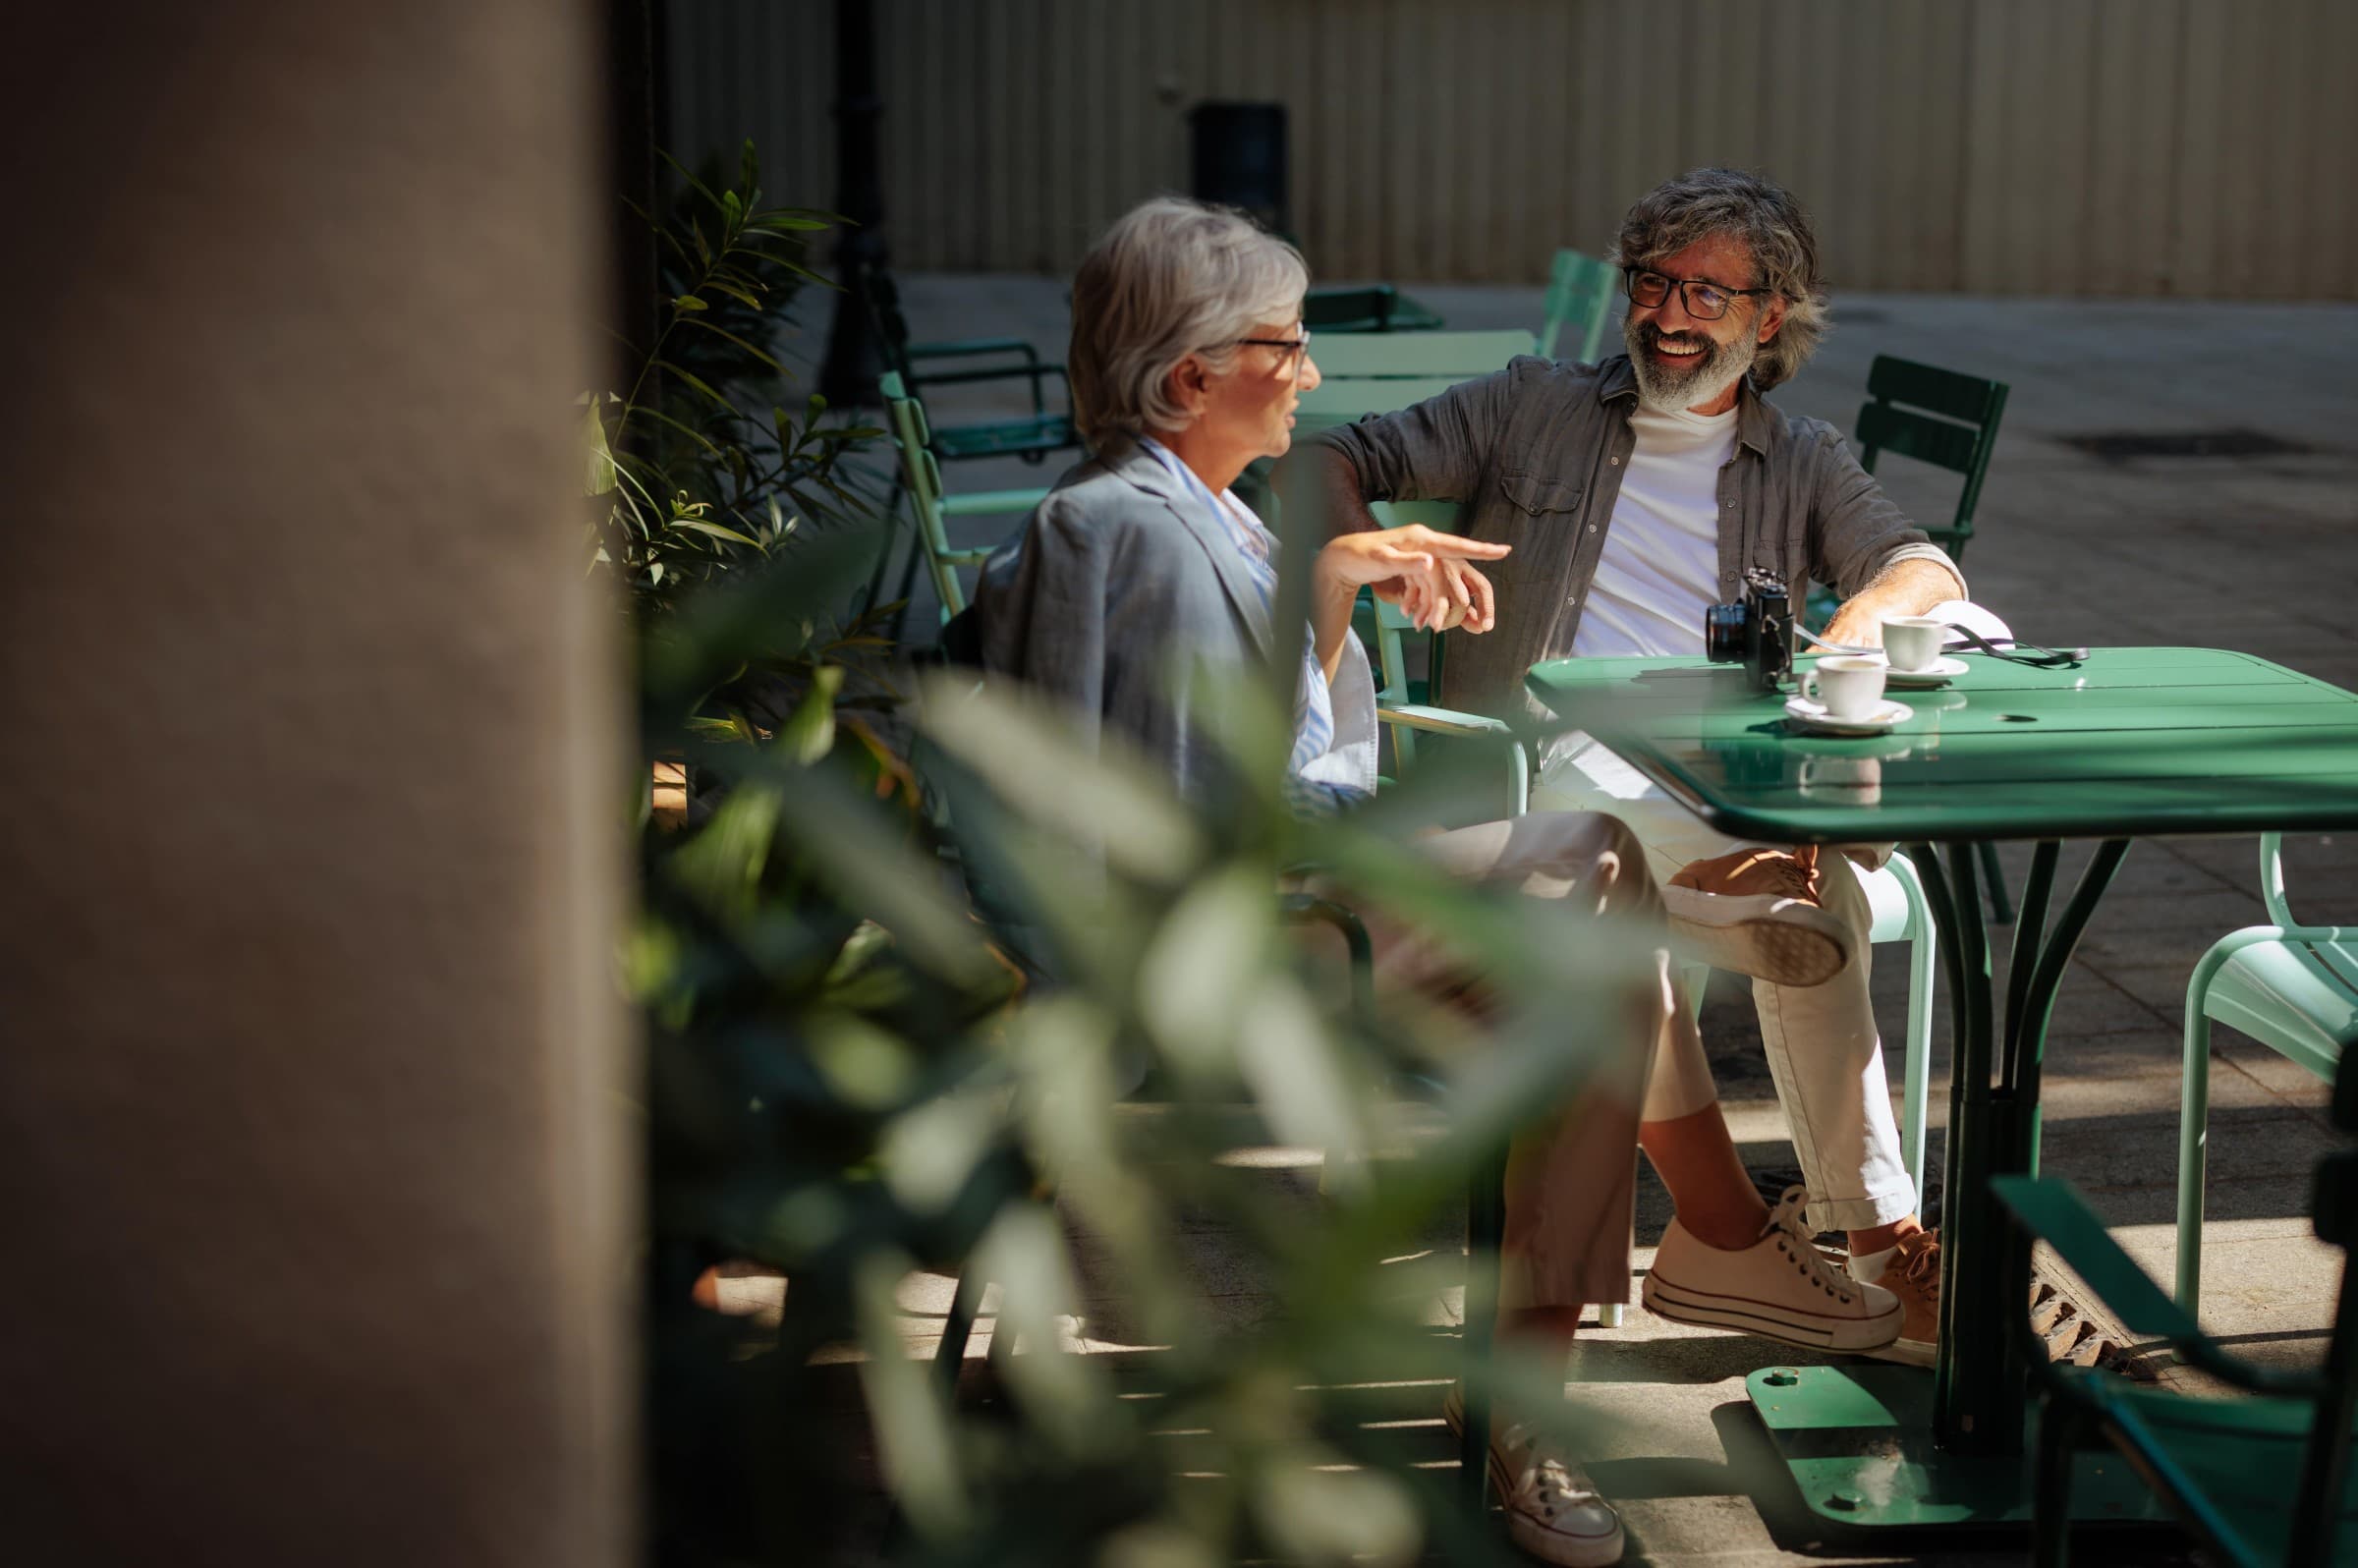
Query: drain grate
point(2120, 446)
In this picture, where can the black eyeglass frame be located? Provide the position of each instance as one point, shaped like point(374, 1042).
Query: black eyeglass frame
point(1299, 347)
point(1682, 286)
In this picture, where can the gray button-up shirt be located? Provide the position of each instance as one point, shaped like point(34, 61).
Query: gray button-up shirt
point(1536, 453)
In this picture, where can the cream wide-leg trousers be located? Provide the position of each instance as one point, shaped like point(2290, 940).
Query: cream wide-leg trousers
point(1824, 1052)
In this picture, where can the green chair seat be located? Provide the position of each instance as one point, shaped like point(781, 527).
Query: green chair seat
point(2299, 999)
point(2240, 1454)
point(2261, 1478)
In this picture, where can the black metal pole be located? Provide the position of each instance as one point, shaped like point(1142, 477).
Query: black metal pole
point(634, 37)
point(849, 376)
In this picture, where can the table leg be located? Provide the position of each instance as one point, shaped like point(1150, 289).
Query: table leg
point(1876, 1445)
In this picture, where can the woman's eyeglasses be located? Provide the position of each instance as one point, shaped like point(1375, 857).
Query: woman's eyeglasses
point(1296, 348)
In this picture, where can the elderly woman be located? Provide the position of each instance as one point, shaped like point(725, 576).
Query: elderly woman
point(1187, 359)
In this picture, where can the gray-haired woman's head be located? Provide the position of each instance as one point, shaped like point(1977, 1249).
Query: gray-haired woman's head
point(1769, 222)
point(1171, 278)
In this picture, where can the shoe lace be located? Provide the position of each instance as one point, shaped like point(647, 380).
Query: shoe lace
point(1920, 1266)
point(1794, 1241)
point(1797, 880)
point(1545, 1477)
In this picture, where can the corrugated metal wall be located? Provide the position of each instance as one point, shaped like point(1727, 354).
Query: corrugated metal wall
point(2054, 146)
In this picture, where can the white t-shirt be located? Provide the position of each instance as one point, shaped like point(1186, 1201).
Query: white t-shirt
point(1660, 565)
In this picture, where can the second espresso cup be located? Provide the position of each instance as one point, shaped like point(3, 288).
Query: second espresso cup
point(1912, 642)
point(1847, 687)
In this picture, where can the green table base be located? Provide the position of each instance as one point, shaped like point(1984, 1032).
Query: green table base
point(1858, 1444)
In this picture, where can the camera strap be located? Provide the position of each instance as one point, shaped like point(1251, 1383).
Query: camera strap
point(2012, 649)
point(2039, 659)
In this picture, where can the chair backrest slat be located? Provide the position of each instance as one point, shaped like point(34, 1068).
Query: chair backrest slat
point(1970, 398)
point(1885, 428)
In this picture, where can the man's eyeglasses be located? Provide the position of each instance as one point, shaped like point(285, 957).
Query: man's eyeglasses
point(1706, 301)
point(1296, 348)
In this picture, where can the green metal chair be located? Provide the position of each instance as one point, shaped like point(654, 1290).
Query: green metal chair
point(2260, 1481)
point(1949, 419)
point(929, 508)
point(1417, 355)
point(1030, 437)
point(1944, 417)
point(2293, 988)
point(1580, 295)
point(1365, 308)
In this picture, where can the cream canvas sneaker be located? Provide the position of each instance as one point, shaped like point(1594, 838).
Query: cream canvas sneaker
point(1782, 1287)
point(1553, 1511)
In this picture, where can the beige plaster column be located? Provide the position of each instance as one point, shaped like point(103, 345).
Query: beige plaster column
point(314, 1185)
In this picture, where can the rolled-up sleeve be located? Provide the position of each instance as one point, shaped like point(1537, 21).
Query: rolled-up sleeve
point(1859, 534)
point(1436, 450)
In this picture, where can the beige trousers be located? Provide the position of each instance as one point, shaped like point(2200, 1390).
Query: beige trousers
point(1571, 1178)
point(1823, 1051)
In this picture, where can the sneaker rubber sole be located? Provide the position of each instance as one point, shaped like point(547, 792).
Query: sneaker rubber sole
point(1786, 1325)
point(1781, 940)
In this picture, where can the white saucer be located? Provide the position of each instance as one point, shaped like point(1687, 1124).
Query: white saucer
point(1939, 672)
point(1814, 716)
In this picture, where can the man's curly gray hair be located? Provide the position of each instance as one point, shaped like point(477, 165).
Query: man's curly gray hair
point(1172, 277)
point(1771, 225)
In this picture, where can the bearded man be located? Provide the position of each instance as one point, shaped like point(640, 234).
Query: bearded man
point(1634, 493)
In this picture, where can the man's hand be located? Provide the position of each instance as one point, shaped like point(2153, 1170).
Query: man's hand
point(1425, 573)
point(1907, 588)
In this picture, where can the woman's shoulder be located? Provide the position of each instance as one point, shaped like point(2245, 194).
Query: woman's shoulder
point(1101, 503)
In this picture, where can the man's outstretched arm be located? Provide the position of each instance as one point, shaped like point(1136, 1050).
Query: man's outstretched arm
point(1907, 587)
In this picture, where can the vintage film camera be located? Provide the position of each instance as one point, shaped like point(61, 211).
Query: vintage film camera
point(1755, 631)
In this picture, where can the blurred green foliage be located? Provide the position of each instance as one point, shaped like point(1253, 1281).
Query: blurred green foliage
point(855, 1071)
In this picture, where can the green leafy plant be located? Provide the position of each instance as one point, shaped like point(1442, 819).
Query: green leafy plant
point(708, 459)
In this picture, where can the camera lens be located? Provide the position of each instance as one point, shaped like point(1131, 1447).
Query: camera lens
point(1723, 631)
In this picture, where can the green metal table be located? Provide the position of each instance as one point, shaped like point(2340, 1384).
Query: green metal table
point(2134, 742)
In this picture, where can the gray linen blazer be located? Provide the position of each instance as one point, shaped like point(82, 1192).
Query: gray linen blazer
point(1105, 600)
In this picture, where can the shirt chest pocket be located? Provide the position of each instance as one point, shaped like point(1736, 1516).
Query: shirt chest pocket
point(1542, 512)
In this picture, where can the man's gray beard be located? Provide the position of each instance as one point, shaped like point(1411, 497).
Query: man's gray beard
point(1720, 367)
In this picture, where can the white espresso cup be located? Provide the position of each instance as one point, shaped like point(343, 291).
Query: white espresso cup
point(1912, 642)
point(1846, 686)
point(1857, 779)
